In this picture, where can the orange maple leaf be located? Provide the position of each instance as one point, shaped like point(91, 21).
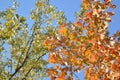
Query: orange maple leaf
point(60, 78)
point(52, 59)
point(93, 58)
point(78, 24)
point(62, 30)
point(118, 59)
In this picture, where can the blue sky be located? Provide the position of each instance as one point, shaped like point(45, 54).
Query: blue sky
point(68, 6)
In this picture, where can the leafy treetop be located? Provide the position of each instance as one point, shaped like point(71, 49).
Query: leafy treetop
point(86, 44)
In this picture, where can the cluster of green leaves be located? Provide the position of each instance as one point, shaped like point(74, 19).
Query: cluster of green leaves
point(21, 50)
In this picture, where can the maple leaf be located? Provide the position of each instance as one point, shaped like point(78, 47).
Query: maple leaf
point(63, 30)
point(52, 59)
point(93, 58)
point(118, 59)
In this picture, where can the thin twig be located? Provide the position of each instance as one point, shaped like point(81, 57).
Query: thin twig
point(17, 69)
point(33, 66)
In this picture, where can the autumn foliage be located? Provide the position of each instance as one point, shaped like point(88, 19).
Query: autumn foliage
point(85, 44)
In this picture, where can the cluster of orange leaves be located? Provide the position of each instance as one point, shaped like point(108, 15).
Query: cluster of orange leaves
point(85, 44)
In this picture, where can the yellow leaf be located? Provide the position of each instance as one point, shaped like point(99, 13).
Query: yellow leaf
point(72, 37)
point(79, 62)
point(87, 53)
point(63, 30)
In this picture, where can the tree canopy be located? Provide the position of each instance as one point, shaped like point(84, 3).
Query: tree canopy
point(69, 46)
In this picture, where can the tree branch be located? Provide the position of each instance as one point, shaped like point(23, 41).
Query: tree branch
point(27, 56)
point(32, 66)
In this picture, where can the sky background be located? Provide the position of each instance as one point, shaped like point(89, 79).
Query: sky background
point(68, 6)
